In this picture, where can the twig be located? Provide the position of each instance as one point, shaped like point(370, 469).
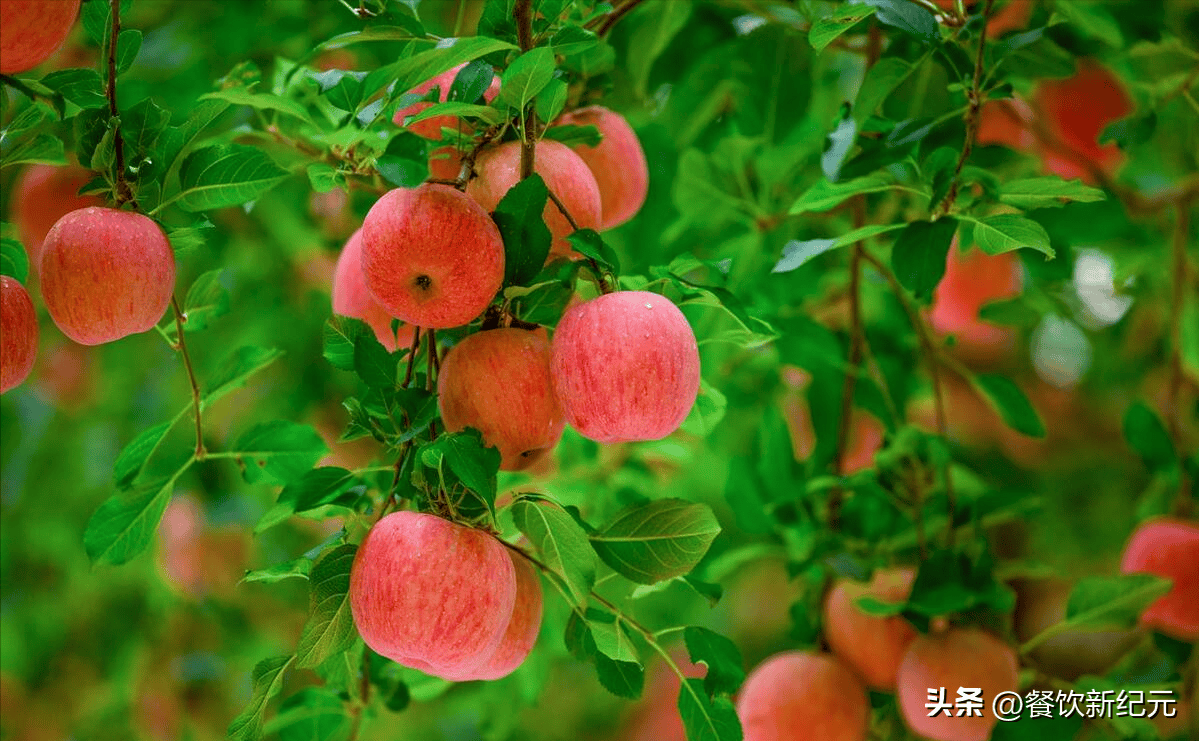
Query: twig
point(181, 344)
point(1182, 227)
point(606, 22)
point(972, 116)
point(411, 357)
point(430, 376)
point(124, 192)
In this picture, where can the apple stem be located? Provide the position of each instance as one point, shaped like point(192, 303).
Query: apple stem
point(124, 191)
point(181, 343)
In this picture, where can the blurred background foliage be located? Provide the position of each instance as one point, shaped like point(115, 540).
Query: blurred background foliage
point(733, 107)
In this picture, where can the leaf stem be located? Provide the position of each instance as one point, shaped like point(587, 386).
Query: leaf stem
point(411, 357)
point(191, 375)
point(974, 96)
point(124, 191)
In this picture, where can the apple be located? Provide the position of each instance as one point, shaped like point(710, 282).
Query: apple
point(1073, 130)
point(431, 256)
point(1007, 122)
point(352, 299)
point(625, 367)
point(803, 696)
point(1169, 548)
point(1011, 16)
point(106, 274)
point(18, 334)
point(65, 375)
point(972, 280)
point(522, 629)
point(430, 128)
point(566, 175)
point(33, 30)
point(197, 559)
point(954, 658)
point(431, 594)
point(873, 646)
point(333, 212)
point(498, 382)
point(44, 194)
point(617, 162)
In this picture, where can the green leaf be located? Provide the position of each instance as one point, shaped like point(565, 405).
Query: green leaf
point(572, 39)
point(828, 29)
point(1047, 192)
point(237, 368)
point(526, 237)
point(129, 43)
point(1094, 21)
point(261, 102)
point(542, 303)
point(551, 100)
point(589, 243)
point(882, 80)
point(1146, 434)
point(720, 655)
point(919, 255)
point(909, 18)
point(171, 144)
point(573, 136)
point(824, 196)
point(277, 452)
point(134, 455)
point(226, 175)
point(526, 77)
point(562, 544)
point(316, 488)
point(124, 524)
point(658, 540)
point(705, 718)
point(1006, 232)
point(374, 365)
point(1011, 403)
point(324, 177)
point(405, 162)
point(473, 464)
point(297, 568)
point(484, 113)
point(340, 337)
point(267, 680)
point(410, 72)
point(83, 87)
point(330, 627)
point(44, 148)
point(206, 300)
point(657, 25)
point(1113, 600)
point(622, 677)
point(14, 261)
point(312, 714)
point(709, 409)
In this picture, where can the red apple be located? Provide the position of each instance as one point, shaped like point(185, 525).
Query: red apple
point(430, 128)
point(43, 195)
point(625, 367)
point(1169, 548)
point(18, 334)
point(431, 594)
point(431, 256)
point(498, 382)
point(352, 299)
point(106, 274)
point(1071, 135)
point(955, 658)
point(618, 164)
point(972, 280)
point(565, 174)
point(65, 375)
point(872, 646)
point(1007, 122)
point(33, 30)
point(522, 629)
point(802, 696)
point(1010, 16)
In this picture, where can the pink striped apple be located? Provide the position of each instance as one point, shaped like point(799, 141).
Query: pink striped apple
point(33, 31)
point(617, 162)
point(522, 629)
point(352, 299)
point(43, 195)
point(18, 334)
point(430, 128)
point(872, 646)
point(1169, 548)
point(431, 256)
point(106, 274)
point(803, 696)
point(625, 367)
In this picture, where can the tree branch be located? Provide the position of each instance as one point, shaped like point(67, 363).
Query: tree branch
point(124, 192)
point(972, 115)
point(181, 345)
point(1182, 227)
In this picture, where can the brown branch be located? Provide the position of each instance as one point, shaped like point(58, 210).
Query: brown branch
point(124, 191)
point(430, 376)
point(605, 23)
point(181, 345)
point(411, 357)
point(974, 95)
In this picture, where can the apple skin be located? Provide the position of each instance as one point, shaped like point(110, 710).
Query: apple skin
point(431, 594)
point(972, 280)
point(430, 128)
point(106, 274)
point(498, 382)
point(43, 195)
point(872, 646)
point(1073, 129)
point(1006, 122)
point(445, 163)
point(1168, 547)
point(18, 334)
point(33, 30)
point(957, 657)
point(566, 175)
point(618, 164)
point(431, 256)
point(625, 367)
point(803, 696)
point(352, 299)
point(522, 629)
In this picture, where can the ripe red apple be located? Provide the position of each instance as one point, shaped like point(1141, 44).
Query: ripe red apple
point(957, 657)
point(33, 30)
point(65, 375)
point(1007, 122)
point(430, 128)
point(971, 280)
point(431, 256)
point(445, 163)
point(498, 382)
point(1072, 130)
point(522, 629)
point(43, 195)
point(1168, 547)
point(431, 594)
point(625, 367)
point(565, 174)
point(106, 274)
point(802, 696)
point(873, 646)
point(618, 164)
point(18, 334)
point(352, 299)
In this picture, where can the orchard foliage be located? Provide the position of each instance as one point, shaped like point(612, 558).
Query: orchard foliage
point(902, 326)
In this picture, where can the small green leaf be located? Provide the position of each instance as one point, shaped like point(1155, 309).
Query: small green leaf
point(1011, 403)
point(562, 544)
point(261, 102)
point(658, 540)
point(573, 136)
point(206, 300)
point(330, 627)
point(526, 237)
point(237, 368)
point(267, 680)
point(226, 175)
point(589, 243)
point(297, 568)
point(1146, 434)
point(124, 524)
point(720, 655)
point(83, 87)
point(473, 464)
point(919, 255)
point(1113, 600)
point(1046, 192)
point(374, 365)
point(312, 714)
point(14, 262)
point(484, 113)
point(134, 455)
point(909, 18)
point(129, 43)
point(324, 177)
point(278, 451)
point(829, 28)
point(1006, 232)
point(705, 718)
point(527, 76)
point(824, 196)
point(340, 337)
point(709, 409)
point(656, 25)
